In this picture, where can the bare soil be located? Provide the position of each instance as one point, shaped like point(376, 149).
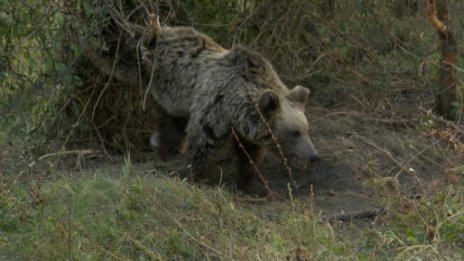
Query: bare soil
point(372, 153)
point(369, 153)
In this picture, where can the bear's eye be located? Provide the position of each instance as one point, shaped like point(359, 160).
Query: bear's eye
point(296, 133)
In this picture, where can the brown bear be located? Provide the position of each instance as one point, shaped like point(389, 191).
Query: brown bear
point(204, 91)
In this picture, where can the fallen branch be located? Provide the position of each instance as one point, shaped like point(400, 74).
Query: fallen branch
point(250, 200)
point(370, 214)
point(78, 152)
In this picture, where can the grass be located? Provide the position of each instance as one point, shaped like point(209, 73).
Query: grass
point(99, 215)
point(125, 212)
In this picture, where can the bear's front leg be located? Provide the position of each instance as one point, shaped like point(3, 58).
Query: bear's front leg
point(200, 145)
point(205, 135)
point(250, 157)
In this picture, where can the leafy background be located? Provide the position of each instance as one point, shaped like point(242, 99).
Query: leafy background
point(76, 180)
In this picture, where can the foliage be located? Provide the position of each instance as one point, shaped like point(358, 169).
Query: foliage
point(34, 74)
point(369, 55)
point(103, 216)
point(351, 50)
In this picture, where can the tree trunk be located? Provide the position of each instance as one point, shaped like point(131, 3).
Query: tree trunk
point(439, 17)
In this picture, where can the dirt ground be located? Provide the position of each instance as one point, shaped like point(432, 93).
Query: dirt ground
point(391, 147)
point(369, 152)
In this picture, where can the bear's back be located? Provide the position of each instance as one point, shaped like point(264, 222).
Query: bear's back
point(181, 55)
point(185, 46)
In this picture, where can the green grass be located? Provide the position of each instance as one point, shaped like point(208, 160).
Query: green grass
point(101, 216)
point(116, 215)
point(125, 212)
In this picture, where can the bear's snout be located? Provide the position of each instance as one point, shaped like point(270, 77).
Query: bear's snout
point(314, 157)
point(303, 153)
point(299, 163)
point(302, 163)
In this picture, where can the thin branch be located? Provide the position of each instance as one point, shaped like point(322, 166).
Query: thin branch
point(125, 75)
point(107, 84)
point(274, 139)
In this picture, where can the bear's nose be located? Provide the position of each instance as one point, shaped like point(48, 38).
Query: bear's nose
point(314, 158)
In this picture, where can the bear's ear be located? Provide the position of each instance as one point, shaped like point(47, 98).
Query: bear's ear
point(268, 102)
point(299, 94)
point(244, 58)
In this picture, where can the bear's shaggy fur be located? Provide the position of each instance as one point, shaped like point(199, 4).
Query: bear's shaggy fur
point(204, 90)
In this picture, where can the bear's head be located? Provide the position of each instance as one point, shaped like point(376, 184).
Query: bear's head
point(289, 125)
